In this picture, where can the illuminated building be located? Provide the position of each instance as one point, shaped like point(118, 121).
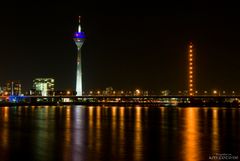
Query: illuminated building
point(108, 91)
point(1, 90)
point(165, 92)
point(79, 38)
point(137, 92)
point(191, 68)
point(12, 88)
point(43, 86)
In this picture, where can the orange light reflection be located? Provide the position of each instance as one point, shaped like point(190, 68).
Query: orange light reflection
point(67, 135)
point(191, 136)
point(138, 135)
point(121, 130)
point(98, 129)
point(215, 132)
point(5, 132)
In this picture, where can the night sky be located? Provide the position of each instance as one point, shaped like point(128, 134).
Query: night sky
point(125, 52)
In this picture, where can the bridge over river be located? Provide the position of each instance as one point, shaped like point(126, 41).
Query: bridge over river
point(155, 100)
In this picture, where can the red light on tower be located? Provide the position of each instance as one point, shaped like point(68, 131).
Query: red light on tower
point(191, 86)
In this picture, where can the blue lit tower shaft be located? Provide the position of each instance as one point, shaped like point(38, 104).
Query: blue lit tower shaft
point(79, 38)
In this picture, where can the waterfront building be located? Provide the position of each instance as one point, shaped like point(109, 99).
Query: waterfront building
point(108, 91)
point(43, 86)
point(165, 92)
point(12, 87)
point(79, 38)
point(1, 90)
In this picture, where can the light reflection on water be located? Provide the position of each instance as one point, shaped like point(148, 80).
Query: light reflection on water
point(138, 147)
point(89, 133)
point(215, 131)
point(5, 131)
point(191, 136)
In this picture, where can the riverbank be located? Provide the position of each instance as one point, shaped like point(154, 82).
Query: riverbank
point(208, 104)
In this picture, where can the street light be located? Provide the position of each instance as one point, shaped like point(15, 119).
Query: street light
point(98, 92)
point(224, 92)
point(215, 92)
point(137, 92)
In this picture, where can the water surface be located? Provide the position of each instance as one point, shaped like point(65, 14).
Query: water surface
point(88, 133)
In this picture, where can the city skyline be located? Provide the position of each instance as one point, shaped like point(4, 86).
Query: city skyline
point(146, 83)
point(125, 52)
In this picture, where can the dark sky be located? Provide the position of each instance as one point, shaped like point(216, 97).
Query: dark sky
point(125, 52)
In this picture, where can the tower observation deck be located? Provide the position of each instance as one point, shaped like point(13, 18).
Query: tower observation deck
point(79, 38)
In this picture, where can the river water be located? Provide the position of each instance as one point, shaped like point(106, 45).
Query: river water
point(101, 133)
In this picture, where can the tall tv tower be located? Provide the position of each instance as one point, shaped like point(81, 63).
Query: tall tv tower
point(79, 38)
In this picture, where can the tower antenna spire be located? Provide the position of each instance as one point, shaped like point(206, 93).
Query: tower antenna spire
point(79, 25)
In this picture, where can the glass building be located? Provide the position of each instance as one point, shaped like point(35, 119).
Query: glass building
point(43, 86)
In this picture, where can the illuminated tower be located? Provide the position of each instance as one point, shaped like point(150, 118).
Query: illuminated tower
point(191, 67)
point(79, 38)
